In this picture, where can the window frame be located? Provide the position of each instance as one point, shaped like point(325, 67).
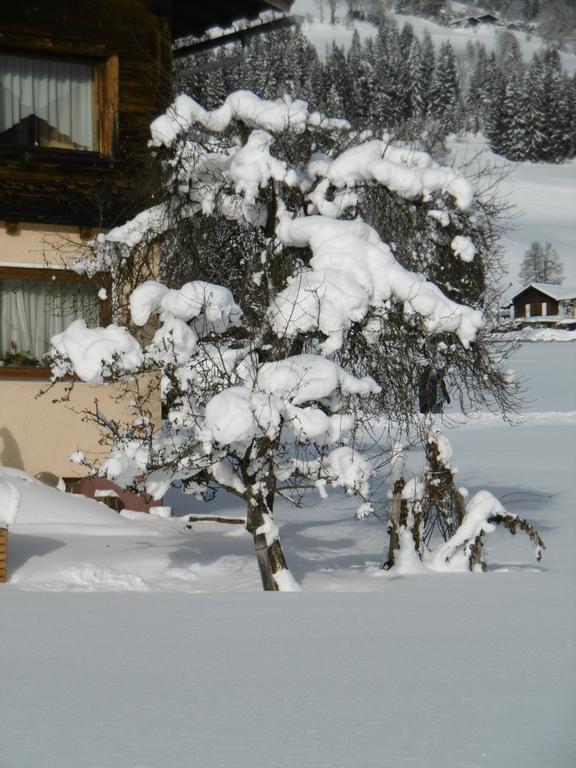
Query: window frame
point(49, 274)
point(106, 101)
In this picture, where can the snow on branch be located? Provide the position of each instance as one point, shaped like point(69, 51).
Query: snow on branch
point(483, 512)
point(274, 116)
point(411, 174)
point(94, 354)
point(352, 270)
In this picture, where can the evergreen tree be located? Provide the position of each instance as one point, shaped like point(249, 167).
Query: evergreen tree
point(478, 98)
point(427, 66)
point(495, 89)
point(551, 103)
point(571, 85)
point(340, 87)
point(445, 90)
point(417, 89)
point(513, 138)
point(358, 75)
point(535, 113)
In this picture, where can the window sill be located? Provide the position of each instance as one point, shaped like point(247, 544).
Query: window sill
point(24, 373)
point(48, 155)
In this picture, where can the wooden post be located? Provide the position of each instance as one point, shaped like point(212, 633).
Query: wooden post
point(3, 555)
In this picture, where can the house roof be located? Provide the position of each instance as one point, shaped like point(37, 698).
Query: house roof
point(190, 17)
point(557, 292)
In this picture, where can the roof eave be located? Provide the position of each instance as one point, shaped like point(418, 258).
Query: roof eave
point(191, 19)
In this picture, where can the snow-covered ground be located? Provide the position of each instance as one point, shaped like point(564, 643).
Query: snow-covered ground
point(115, 656)
point(132, 641)
point(543, 196)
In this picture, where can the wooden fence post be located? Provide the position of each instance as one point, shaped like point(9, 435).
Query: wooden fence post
point(3, 555)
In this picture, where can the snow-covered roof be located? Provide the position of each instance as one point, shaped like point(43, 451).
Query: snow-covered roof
point(557, 292)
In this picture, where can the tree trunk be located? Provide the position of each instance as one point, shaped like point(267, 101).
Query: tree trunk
point(398, 510)
point(270, 557)
point(475, 561)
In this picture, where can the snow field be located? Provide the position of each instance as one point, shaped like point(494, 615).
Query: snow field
point(432, 671)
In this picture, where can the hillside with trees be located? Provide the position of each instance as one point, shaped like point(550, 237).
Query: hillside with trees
point(397, 82)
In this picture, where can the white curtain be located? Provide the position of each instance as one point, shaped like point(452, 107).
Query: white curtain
point(59, 92)
point(31, 312)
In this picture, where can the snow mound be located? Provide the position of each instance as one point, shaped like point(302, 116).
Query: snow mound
point(9, 503)
point(42, 506)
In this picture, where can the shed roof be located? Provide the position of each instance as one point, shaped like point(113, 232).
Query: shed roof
point(557, 292)
point(190, 17)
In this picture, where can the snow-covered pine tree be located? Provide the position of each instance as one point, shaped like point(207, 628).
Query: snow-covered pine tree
point(571, 85)
point(385, 112)
point(405, 71)
point(445, 89)
point(511, 139)
point(478, 96)
point(340, 86)
point(359, 76)
point(496, 90)
point(417, 86)
point(550, 108)
point(427, 67)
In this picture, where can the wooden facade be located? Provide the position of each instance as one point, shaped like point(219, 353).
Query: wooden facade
point(552, 303)
point(532, 302)
point(129, 47)
point(128, 43)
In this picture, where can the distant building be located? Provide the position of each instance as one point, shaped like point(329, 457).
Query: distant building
point(487, 18)
point(471, 22)
point(546, 303)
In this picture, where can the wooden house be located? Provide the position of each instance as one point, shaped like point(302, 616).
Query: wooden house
point(546, 303)
point(487, 18)
point(472, 22)
point(80, 83)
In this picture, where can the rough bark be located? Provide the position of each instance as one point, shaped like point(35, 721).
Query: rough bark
point(475, 561)
point(270, 557)
point(398, 516)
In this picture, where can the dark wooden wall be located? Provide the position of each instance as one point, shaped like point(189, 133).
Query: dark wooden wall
point(92, 188)
point(534, 298)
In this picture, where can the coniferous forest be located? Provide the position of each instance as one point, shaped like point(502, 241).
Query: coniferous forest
point(399, 83)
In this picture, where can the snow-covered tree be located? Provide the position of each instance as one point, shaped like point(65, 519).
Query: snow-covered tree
point(445, 88)
point(300, 315)
point(431, 525)
point(541, 264)
point(333, 7)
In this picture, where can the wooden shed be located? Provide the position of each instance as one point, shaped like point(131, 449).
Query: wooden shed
point(545, 301)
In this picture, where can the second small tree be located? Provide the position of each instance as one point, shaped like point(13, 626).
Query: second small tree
point(541, 264)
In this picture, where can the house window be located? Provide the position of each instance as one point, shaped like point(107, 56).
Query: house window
point(36, 304)
point(57, 103)
point(47, 102)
